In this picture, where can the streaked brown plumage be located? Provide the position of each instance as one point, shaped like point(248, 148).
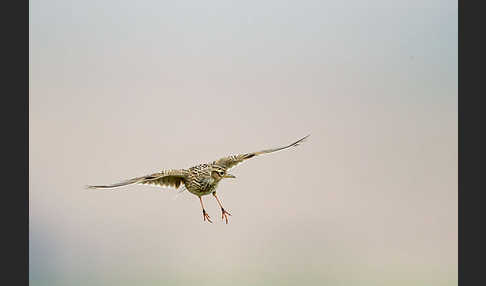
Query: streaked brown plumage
point(200, 180)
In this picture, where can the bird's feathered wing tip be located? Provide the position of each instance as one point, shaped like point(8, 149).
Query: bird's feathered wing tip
point(169, 178)
point(298, 142)
point(128, 182)
point(231, 161)
point(295, 144)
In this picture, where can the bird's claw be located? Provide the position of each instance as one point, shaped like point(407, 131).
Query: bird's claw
point(224, 215)
point(206, 216)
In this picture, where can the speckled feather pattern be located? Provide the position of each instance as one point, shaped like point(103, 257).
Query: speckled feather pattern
point(199, 180)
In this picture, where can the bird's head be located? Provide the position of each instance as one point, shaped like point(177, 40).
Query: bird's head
point(218, 173)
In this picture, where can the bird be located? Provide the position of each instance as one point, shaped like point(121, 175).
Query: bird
point(200, 180)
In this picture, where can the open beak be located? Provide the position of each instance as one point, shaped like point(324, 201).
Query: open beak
point(229, 176)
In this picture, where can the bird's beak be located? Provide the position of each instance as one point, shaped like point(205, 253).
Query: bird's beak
point(228, 176)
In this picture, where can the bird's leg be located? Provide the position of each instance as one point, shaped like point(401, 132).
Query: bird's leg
point(224, 212)
point(205, 214)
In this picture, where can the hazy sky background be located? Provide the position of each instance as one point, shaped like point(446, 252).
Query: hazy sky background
point(120, 89)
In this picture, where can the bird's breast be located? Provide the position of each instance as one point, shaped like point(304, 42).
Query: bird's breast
point(203, 187)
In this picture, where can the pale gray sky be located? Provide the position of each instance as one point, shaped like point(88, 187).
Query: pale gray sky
point(120, 89)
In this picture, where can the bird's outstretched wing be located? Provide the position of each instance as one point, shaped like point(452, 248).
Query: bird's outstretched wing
point(231, 161)
point(167, 178)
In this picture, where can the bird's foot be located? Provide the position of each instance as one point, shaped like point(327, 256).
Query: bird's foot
point(206, 216)
point(224, 215)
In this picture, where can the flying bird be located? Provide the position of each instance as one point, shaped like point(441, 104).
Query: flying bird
point(199, 180)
